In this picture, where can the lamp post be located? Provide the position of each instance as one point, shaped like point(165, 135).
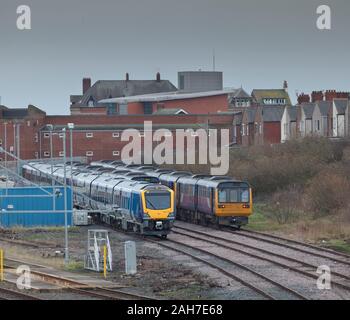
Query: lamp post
point(71, 127)
point(5, 143)
point(50, 127)
point(66, 253)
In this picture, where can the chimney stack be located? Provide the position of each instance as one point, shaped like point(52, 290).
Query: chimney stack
point(302, 98)
point(127, 77)
point(86, 84)
point(158, 77)
point(316, 96)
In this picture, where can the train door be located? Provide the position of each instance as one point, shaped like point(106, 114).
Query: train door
point(212, 200)
point(135, 206)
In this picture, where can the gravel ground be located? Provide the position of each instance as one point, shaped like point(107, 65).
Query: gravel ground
point(291, 278)
point(164, 273)
point(274, 248)
point(161, 273)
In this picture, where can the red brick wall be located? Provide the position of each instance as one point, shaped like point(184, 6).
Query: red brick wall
point(102, 144)
point(197, 105)
point(272, 132)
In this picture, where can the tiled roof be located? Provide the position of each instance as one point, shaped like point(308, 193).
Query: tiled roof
point(106, 89)
point(308, 108)
point(15, 113)
point(250, 114)
point(260, 94)
point(324, 107)
point(168, 96)
point(239, 93)
point(341, 105)
point(292, 111)
point(272, 113)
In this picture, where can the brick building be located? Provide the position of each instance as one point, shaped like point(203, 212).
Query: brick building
point(26, 132)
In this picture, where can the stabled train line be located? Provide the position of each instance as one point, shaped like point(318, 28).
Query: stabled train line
point(280, 240)
point(76, 286)
point(263, 292)
point(299, 266)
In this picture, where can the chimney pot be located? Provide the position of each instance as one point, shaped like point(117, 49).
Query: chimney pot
point(158, 77)
point(127, 77)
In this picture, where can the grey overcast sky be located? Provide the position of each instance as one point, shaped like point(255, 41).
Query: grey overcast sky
point(258, 44)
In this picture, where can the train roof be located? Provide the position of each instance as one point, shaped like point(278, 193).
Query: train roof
point(217, 183)
point(139, 185)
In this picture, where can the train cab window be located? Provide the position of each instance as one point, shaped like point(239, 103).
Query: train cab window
point(229, 195)
point(158, 201)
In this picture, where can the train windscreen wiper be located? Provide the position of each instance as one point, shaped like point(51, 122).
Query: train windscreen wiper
point(151, 204)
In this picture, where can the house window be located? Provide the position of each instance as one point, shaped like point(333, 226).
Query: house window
point(46, 154)
point(115, 134)
point(28, 123)
point(61, 154)
point(115, 153)
point(46, 135)
point(141, 134)
point(89, 135)
point(61, 135)
point(36, 138)
point(89, 153)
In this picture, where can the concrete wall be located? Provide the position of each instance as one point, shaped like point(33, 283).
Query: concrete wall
point(195, 81)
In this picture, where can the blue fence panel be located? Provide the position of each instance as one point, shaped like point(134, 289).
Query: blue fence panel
point(33, 207)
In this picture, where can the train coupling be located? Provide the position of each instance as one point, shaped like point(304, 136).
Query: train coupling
point(159, 225)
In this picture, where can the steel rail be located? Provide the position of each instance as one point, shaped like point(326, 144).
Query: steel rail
point(306, 273)
point(229, 274)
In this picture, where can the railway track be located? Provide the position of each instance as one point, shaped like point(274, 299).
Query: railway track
point(296, 265)
point(9, 294)
point(76, 286)
point(263, 292)
point(297, 245)
point(307, 245)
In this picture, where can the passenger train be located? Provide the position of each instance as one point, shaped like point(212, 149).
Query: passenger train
point(149, 198)
point(205, 199)
point(132, 201)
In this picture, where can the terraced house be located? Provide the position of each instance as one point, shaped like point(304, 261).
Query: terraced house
point(339, 118)
point(289, 123)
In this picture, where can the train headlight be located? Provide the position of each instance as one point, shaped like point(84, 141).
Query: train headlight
point(246, 206)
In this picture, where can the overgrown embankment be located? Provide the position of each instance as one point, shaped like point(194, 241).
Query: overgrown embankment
point(301, 188)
